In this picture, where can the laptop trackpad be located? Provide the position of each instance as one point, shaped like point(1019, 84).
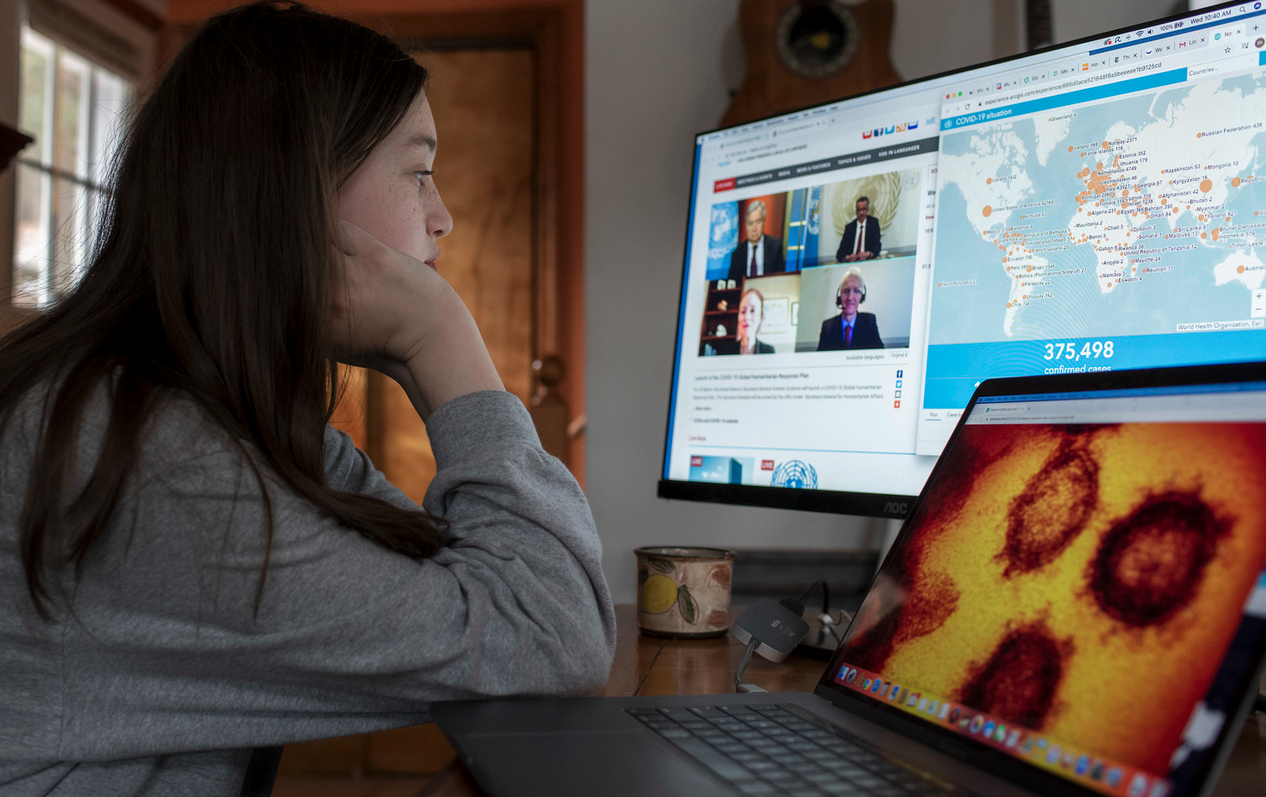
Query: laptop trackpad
point(611, 763)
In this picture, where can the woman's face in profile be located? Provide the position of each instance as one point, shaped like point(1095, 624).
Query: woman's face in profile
point(392, 194)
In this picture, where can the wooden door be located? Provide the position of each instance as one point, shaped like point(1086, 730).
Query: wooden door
point(484, 101)
point(484, 106)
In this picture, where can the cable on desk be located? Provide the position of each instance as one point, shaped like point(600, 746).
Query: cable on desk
point(739, 685)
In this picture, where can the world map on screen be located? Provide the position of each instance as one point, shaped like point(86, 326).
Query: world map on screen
point(1135, 216)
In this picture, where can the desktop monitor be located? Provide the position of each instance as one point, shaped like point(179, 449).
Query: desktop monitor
point(854, 270)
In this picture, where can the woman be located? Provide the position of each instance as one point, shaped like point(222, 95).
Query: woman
point(193, 564)
point(750, 315)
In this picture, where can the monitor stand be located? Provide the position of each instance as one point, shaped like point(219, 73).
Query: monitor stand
point(822, 640)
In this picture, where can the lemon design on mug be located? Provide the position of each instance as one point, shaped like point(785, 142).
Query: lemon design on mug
point(659, 593)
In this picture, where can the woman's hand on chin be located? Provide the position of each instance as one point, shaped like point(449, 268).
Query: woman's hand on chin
point(394, 314)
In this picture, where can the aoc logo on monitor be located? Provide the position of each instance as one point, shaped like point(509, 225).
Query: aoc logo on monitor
point(795, 474)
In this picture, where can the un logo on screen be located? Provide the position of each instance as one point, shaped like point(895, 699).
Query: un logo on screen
point(795, 474)
point(724, 229)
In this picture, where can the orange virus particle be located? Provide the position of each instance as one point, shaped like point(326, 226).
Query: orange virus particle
point(1018, 682)
point(1150, 562)
point(1052, 510)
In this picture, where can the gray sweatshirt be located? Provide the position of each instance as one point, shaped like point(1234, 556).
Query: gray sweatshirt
point(157, 676)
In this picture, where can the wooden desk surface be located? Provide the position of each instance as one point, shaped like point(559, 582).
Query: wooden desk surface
point(650, 666)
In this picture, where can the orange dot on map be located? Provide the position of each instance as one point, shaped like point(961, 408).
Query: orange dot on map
point(1109, 283)
point(1239, 269)
point(1070, 147)
point(1235, 182)
point(1216, 231)
point(1028, 268)
point(1203, 235)
point(1009, 303)
point(987, 211)
point(1206, 186)
point(1083, 154)
point(1198, 135)
point(988, 181)
point(1099, 165)
point(1164, 201)
point(1200, 216)
point(1106, 145)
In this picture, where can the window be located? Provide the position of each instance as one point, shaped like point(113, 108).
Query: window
point(76, 110)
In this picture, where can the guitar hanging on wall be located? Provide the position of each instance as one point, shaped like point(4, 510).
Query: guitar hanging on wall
point(807, 52)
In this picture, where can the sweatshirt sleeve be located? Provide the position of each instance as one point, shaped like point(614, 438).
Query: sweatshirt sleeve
point(177, 647)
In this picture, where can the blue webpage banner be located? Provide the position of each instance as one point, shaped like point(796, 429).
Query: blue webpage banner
point(1068, 98)
point(954, 370)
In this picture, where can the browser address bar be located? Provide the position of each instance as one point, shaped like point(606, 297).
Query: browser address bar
point(1073, 83)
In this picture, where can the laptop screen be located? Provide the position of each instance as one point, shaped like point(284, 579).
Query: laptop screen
point(1073, 583)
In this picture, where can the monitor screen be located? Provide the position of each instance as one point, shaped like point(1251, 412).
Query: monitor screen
point(1066, 547)
point(1089, 207)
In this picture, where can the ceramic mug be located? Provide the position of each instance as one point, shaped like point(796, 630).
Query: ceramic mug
point(684, 592)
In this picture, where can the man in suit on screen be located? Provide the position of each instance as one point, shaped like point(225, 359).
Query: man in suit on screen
point(860, 240)
point(759, 254)
point(850, 329)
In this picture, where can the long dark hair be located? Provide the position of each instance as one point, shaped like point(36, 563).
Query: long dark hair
point(213, 276)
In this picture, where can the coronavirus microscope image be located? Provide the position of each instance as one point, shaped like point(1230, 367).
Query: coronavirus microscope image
point(1071, 576)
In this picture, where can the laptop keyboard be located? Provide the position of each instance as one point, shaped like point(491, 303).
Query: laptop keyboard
point(765, 749)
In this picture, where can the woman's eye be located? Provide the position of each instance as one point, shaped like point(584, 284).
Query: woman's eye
point(423, 175)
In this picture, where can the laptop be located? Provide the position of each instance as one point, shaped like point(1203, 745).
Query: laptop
point(1075, 606)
